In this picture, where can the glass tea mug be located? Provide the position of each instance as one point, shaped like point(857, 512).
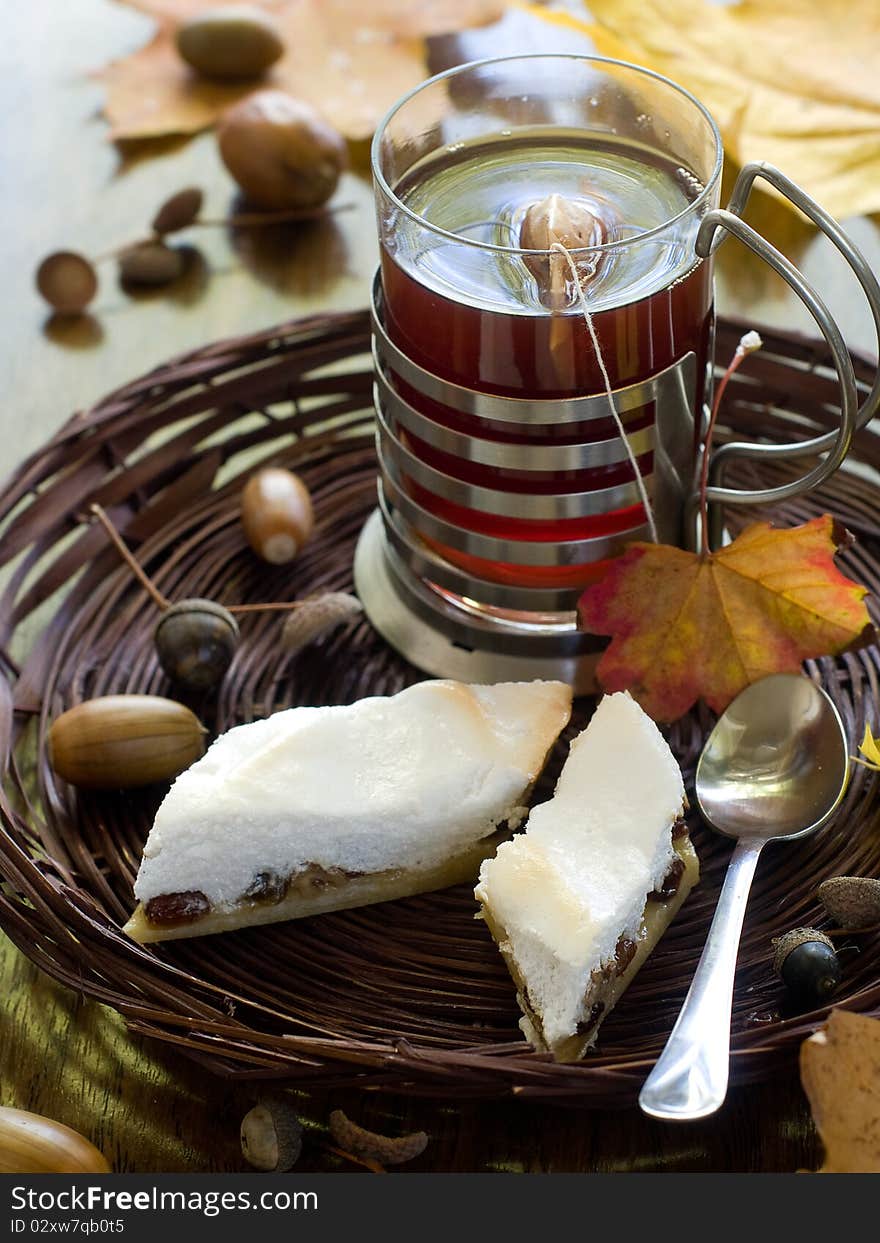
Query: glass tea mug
point(504, 483)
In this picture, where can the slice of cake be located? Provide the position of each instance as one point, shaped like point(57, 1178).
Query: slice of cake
point(578, 901)
point(317, 809)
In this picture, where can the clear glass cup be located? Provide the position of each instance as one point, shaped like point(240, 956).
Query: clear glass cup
point(457, 165)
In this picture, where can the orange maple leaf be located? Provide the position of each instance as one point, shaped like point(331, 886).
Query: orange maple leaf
point(348, 59)
point(686, 626)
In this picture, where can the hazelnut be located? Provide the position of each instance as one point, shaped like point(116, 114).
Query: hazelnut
point(280, 152)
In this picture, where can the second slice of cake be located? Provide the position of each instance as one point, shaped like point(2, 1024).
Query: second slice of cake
point(578, 901)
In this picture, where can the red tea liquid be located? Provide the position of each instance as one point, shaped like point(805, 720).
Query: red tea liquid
point(475, 315)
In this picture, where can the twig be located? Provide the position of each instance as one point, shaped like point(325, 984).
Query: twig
point(277, 607)
point(156, 595)
point(367, 1162)
point(749, 343)
point(139, 572)
point(257, 219)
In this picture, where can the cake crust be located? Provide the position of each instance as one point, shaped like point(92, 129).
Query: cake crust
point(348, 893)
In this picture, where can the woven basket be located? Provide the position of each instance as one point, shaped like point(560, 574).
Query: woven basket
point(411, 995)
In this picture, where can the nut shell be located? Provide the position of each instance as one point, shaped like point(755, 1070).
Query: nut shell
point(233, 42)
point(179, 211)
point(196, 641)
point(119, 741)
point(388, 1149)
point(150, 263)
point(280, 152)
point(271, 1137)
point(276, 514)
point(67, 281)
point(791, 940)
point(32, 1144)
point(852, 901)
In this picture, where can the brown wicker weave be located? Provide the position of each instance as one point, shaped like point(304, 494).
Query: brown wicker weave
point(411, 995)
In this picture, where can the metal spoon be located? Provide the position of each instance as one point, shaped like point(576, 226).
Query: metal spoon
point(774, 767)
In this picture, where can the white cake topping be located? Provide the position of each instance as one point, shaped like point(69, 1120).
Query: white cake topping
point(576, 881)
point(397, 782)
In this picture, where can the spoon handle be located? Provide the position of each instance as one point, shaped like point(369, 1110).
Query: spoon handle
point(690, 1077)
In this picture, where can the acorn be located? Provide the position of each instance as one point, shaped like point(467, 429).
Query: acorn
point(807, 964)
point(386, 1149)
point(32, 1144)
point(852, 901)
point(114, 742)
point(271, 1137)
point(277, 514)
point(150, 263)
point(178, 212)
point(196, 641)
point(232, 42)
point(318, 615)
point(67, 281)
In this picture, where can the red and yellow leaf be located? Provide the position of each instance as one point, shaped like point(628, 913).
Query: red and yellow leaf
point(685, 627)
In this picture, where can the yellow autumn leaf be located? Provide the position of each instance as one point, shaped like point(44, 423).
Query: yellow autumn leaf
point(794, 82)
point(870, 756)
point(348, 59)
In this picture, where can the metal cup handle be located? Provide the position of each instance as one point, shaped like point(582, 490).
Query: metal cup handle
point(714, 228)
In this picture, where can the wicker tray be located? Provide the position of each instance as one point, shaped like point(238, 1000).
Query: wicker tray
point(411, 995)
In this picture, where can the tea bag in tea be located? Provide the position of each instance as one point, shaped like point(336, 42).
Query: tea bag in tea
point(556, 220)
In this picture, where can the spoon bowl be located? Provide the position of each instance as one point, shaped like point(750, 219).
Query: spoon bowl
point(774, 767)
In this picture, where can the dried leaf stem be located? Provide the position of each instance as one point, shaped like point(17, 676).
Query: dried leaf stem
point(161, 600)
point(139, 572)
point(260, 219)
point(241, 220)
point(367, 1162)
point(748, 344)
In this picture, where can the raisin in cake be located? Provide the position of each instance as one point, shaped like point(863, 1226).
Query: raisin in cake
point(317, 809)
point(578, 901)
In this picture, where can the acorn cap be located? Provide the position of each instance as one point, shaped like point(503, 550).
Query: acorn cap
point(851, 901)
point(198, 605)
point(271, 1136)
point(791, 940)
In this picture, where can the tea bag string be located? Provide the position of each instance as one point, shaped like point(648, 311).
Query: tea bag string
point(588, 320)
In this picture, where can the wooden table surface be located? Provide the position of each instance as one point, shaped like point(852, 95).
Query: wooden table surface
point(66, 186)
